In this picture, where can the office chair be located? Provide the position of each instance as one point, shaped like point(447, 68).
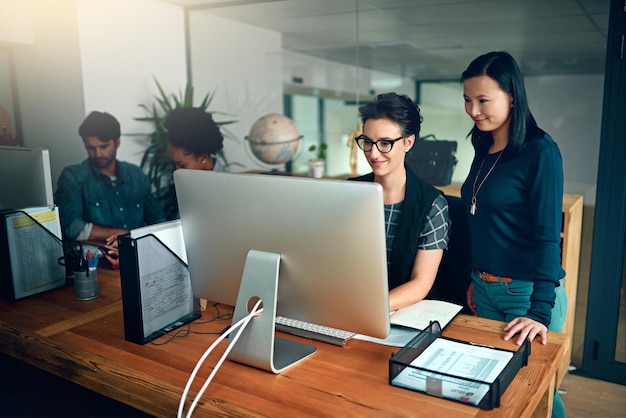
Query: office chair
point(453, 276)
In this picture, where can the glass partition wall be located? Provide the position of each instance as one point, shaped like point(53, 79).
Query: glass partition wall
point(329, 121)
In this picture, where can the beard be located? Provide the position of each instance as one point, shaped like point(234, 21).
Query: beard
point(102, 162)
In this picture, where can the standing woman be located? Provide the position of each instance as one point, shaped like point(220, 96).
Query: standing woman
point(194, 139)
point(416, 214)
point(514, 198)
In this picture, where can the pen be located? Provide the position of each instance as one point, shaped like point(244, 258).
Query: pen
point(92, 262)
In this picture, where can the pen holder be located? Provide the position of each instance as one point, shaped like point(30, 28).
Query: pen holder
point(86, 284)
point(71, 260)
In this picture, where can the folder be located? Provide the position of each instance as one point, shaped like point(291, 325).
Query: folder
point(30, 249)
point(157, 296)
point(457, 370)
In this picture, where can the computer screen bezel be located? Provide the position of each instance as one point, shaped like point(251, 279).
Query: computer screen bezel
point(25, 178)
point(330, 235)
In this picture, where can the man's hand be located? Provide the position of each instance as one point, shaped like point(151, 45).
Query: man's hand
point(112, 256)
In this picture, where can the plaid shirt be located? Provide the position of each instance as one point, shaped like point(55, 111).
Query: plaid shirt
point(434, 231)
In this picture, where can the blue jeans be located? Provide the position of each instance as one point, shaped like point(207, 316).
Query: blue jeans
point(507, 301)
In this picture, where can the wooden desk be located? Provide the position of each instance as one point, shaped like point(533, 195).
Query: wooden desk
point(83, 341)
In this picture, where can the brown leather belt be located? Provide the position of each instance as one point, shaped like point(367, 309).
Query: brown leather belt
point(492, 278)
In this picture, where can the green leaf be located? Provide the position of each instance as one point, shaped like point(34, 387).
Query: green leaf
point(321, 152)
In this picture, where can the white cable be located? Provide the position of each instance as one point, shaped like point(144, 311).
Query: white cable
point(241, 325)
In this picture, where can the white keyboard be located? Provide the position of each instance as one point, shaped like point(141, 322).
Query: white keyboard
point(313, 331)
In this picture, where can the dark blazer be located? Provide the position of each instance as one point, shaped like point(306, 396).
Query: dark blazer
point(418, 199)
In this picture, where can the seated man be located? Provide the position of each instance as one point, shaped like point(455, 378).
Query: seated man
point(102, 197)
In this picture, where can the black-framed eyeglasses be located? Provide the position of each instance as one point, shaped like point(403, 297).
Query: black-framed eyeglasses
point(383, 145)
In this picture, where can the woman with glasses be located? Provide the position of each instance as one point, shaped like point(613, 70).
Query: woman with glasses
point(416, 214)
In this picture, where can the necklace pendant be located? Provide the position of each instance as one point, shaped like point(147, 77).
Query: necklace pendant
point(475, 189)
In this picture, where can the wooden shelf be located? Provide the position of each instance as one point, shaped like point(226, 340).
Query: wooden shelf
point(571, 233)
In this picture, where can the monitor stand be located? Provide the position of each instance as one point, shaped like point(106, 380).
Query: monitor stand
point(258, 346)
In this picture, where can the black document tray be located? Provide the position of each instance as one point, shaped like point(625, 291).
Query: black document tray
point(141, 314)
point(403, 359)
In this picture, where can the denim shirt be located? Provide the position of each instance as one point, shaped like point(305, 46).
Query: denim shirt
point(85, 195)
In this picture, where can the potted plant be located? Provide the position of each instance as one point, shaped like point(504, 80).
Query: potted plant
point(318, 163)
point(155, 160)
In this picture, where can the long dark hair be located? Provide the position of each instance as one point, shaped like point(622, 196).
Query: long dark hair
point(501, 67)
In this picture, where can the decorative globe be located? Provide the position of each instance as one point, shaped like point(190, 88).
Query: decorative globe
point(274, 139)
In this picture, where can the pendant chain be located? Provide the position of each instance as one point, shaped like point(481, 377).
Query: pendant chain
point(474, 189)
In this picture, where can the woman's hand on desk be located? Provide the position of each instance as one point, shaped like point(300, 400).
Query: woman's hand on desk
point(526, 328)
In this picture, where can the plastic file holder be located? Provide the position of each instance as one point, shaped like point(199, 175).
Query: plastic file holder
point(30, 249)
point(482, 393)
point(156, 289)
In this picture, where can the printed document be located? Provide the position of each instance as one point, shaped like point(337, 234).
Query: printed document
point(33, 252)
point(459, 360)
point(165, 286)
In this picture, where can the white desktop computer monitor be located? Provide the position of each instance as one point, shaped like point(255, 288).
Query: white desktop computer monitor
point(318, 253)
point(25, 178)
